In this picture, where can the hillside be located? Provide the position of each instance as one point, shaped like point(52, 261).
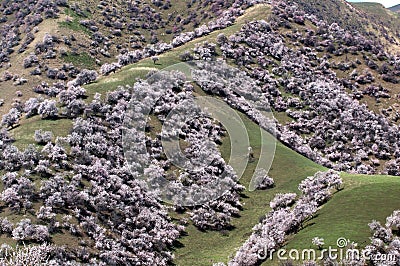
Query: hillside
point(196, 246)
point(382, 16)
point(68, 37)
point(395, 8)
point(327, 71)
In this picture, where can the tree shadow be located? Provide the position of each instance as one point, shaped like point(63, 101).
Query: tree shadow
point(14, 126)
point(176, 244)
point(220, 230)
point(306, 226)
point(243, 195)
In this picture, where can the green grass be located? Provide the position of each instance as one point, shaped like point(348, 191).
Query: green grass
point(128, 74)
point(111, 83)
point(82, 60)
point(24, 133)
point(74, 23)
point(283, 118)
point(347, 214)
point(373, 8)
point(288, 169)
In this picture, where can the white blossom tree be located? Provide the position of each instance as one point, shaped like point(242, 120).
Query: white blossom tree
point(48, 109)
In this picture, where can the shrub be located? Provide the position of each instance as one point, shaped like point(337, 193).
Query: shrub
point(48, 109)
point(26, 231)
point(43, 137)
point(11, 118)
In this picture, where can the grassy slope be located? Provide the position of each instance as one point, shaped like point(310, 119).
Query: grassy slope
point(128, 74)
point(347, 214)
point(372, 7)
point(24, 134)
point(288, 169)
point(382, 17)
point(379, 14)
point(53, 27)
point(365, 198)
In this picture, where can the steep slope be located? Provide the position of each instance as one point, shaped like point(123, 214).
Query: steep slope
point(334, 11)
point(207, 247)
point(387, 21)
point(348, 213)
point(395, 8)
point(366, 18)
point(52, 43)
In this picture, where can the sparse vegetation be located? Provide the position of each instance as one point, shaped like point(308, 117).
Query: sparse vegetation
point(72, 21)
point(81, 60)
